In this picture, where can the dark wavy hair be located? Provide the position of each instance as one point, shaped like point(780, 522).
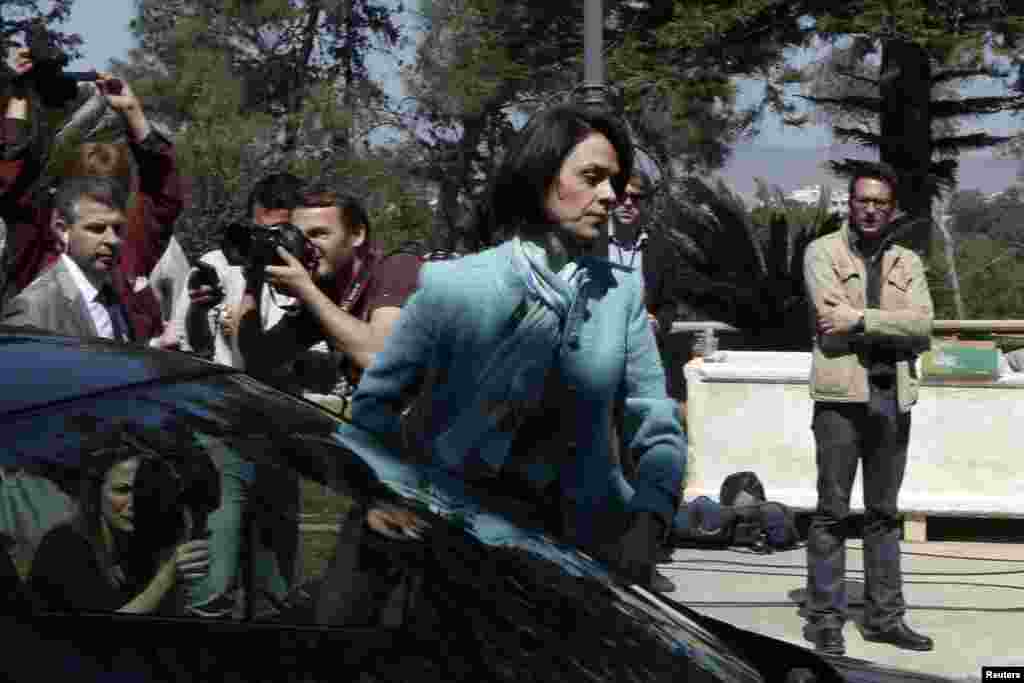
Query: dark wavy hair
point(520, 186)
point(88, 520)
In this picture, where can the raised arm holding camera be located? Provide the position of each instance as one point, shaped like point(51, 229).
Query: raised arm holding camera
point(208, 315)
point(347, 295)
point(32, 84)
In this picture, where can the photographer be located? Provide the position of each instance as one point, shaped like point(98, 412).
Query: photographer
point(348, 295)
point(34, 83)
point(208, 314)
point(102, 559)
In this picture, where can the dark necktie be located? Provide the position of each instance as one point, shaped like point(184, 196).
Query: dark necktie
point(108, 297)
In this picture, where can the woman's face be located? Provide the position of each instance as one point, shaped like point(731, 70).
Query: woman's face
point(117, 496)
point(581, 195)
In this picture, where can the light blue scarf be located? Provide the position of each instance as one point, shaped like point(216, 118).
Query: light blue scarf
point(510, 382)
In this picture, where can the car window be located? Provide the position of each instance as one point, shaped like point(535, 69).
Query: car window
point(102, 498)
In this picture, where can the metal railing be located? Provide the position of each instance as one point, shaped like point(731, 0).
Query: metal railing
point(707, 341)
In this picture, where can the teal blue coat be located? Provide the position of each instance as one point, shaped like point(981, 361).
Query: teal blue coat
point(451, 329)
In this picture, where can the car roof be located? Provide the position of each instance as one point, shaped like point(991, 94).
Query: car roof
point(39, 368)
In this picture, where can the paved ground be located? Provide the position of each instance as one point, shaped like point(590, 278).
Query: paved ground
point(969, 597)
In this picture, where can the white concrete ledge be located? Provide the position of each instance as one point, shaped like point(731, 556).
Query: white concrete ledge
point(751, 410)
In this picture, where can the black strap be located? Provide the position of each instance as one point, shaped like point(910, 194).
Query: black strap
point(356, 289)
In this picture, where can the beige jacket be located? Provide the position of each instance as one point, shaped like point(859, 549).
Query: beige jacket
point(832, 266)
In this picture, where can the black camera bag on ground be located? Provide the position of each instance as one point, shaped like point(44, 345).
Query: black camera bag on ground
point(742, 488)
point(743, 518)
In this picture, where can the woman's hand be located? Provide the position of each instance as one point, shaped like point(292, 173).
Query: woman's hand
point(395, 522)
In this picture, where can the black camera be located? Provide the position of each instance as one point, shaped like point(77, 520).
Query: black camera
point(164, 489)
point(254, 247)
point(205, 275)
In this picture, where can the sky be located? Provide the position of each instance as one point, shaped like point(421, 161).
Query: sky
point(784, 156)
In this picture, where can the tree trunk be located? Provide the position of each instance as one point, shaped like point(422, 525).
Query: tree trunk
point(949, 247)
point(298, 82)
point(906, 127)
point(343, 139)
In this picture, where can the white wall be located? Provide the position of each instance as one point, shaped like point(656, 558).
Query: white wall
point(752, 411)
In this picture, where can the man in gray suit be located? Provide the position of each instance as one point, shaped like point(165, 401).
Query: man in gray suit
point(79, 296)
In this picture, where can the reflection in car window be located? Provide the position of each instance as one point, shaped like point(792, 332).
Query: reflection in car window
point(203, 462)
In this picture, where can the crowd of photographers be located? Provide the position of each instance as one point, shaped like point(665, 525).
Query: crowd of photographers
point(298, 295)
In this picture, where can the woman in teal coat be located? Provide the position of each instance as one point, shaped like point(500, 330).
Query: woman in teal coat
point(538, 336)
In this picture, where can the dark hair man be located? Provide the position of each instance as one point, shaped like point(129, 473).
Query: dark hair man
point(80, 295)
point(350, 299)
point(208, 316)
point(874, 315)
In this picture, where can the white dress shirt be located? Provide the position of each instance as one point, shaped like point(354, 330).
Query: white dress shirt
point(95, 308)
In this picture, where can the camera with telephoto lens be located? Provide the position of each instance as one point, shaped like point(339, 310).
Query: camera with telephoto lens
point(254, 247)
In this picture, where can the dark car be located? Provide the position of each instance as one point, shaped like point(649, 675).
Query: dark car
point(331, 565)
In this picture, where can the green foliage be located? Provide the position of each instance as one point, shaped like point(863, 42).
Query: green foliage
point(681, 72)
point(991, 276)
point(483, 64)
point(906, 104)
point(941, 27)
point(254, 87)
point(1000, 217)
point(398, 210)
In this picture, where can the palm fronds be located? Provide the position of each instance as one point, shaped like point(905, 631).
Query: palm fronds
point(725, 269)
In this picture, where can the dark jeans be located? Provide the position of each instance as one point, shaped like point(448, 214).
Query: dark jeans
point(877, 434)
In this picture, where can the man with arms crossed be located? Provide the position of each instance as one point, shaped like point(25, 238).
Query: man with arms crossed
point(873, 315)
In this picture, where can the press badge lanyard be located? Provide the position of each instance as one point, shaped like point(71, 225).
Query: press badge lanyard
point(349, 374)
point(356, 289)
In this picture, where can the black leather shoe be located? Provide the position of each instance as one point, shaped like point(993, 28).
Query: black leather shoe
point(661, 583)
point(827, 641)
point(900, 635)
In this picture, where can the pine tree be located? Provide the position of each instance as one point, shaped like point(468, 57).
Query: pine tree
point(922, 48)
point(249, 87)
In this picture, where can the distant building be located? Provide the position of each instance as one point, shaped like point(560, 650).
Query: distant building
point(811, 195)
